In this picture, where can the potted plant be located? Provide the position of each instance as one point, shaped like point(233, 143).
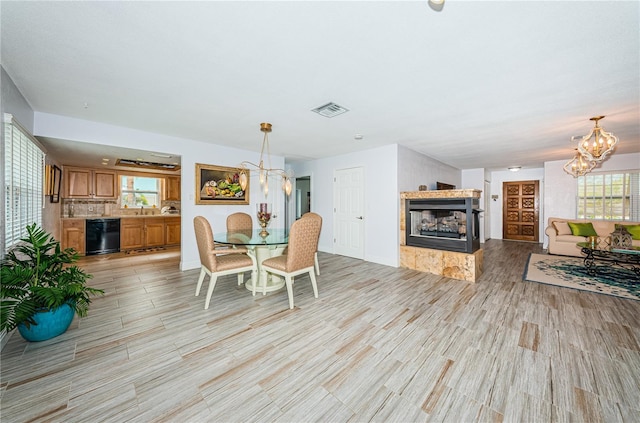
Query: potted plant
point(41, 288)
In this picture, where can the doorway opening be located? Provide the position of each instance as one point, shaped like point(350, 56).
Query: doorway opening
point(303, 196)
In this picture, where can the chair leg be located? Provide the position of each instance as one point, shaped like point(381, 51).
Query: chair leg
point(287, 280)
point(263, 277)
point(212, 284)
point(317, 265)
point(240, 278)
point(313, 283)
point(200, 279)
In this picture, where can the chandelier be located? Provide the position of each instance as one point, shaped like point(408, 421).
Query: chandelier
point(592, 149)
point(601, 146)
point(247, 167)
point(578, 166)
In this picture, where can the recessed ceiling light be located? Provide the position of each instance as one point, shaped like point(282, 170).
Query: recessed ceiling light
point(358, 136)
point(515, 168)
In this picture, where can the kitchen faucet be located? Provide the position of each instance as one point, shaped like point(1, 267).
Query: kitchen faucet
point(141, 210)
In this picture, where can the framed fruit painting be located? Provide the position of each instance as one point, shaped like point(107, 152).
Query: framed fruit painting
point(219, 185)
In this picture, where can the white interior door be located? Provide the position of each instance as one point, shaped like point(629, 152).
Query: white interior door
point(348, 203)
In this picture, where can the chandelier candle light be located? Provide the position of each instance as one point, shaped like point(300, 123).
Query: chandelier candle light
point(263, 172)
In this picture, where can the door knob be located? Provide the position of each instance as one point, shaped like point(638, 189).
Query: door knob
point(360, 217)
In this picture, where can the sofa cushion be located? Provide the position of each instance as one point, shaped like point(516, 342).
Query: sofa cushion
point(634, 230)
point(562, 228)
point(582, 229)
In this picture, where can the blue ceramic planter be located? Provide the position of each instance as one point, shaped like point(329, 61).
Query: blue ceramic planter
point(50, 324)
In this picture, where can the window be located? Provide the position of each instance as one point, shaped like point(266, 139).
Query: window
point(23, 180)
point(139, 191)
point(610, 196)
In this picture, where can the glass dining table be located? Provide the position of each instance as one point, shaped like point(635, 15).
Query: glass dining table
point(263, 247)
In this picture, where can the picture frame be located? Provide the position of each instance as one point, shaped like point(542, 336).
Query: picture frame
point(52, 182)
point(220, 185)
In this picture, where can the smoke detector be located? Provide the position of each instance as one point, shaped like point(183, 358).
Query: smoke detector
point(330, 110)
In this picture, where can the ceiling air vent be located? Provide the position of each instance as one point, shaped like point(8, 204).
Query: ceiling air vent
point(330, 110)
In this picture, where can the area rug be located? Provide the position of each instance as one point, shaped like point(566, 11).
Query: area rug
point(569, 272)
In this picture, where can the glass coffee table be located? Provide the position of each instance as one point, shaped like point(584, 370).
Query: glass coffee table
point(627, 258)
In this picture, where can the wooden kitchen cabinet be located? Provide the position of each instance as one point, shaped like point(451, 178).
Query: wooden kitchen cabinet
point(172, 230)
point(131, 233)
point(154, 232)
point(172, 188)
point(142, 232)
point(89, 183)
point(73, 235)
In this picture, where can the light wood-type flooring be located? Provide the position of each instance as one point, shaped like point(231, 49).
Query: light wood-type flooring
point(380, 344)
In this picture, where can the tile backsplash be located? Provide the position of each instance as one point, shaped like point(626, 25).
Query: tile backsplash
point(100, 208)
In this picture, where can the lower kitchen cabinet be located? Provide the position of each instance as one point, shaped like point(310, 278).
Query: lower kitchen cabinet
point(146, 232)
point(154, 232)
point(73, 235)
point(131, 233)
point(172, 230)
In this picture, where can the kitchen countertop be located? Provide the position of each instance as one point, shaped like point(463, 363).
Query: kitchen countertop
point(147, 216)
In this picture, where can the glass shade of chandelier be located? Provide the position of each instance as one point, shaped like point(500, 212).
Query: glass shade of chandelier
point(578, 165)
point(247, 167)
point(597, 144)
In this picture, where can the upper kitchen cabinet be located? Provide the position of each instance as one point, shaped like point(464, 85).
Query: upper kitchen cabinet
point(89, 183)
point(172, 188)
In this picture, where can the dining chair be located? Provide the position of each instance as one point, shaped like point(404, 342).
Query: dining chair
point(219, 262)
point(312, 215)
point(303, 239)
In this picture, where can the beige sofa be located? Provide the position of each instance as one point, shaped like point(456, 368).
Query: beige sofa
point(562, 242)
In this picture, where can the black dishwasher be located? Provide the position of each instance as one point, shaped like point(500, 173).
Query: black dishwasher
point(102, 236)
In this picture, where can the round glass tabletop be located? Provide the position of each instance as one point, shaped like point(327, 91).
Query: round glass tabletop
point(275, 237)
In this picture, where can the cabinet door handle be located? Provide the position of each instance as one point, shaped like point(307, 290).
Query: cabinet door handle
point(360, 217)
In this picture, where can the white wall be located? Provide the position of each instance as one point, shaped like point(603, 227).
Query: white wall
point(497, 178)
point(415, 169)
point(191, 152)
point(381, 224)
point(560, 199)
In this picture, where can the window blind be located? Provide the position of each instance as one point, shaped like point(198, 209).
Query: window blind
point(609, 195)
point(23, 174)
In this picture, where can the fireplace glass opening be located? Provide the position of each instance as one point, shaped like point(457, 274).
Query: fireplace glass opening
point(446, 224)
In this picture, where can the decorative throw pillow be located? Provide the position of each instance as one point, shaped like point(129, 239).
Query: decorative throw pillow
point(562, 228)
point(582, 229)
point(634, 230)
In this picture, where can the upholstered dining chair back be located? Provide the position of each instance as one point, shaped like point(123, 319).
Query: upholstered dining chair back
point(316, 216)
point(204, 239)
point(239, 222)
point(303, 241)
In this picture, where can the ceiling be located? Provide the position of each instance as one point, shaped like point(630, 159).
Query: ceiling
point(479, 84)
